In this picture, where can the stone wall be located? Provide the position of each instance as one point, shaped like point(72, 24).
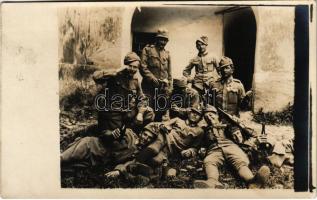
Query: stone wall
point(273, 80)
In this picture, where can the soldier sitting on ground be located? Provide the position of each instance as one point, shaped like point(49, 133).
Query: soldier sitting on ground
point(221, 149)
point(120, 100)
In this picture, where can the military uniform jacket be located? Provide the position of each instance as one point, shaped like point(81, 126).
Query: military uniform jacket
point(121, 108)
point(191, 98)
point(155, 64)
point(205, 68)
point(229, 94)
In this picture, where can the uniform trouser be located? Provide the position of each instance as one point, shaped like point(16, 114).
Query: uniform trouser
point(87, 150)
point(218, 155)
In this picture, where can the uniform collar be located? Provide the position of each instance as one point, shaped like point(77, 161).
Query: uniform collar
point(202, 54)
point(228, 80)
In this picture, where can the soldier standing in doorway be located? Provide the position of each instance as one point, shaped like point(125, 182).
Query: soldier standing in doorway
point(156, 72)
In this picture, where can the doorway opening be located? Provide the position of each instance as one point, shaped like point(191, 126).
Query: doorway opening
point(140, 40)
point(239, 43)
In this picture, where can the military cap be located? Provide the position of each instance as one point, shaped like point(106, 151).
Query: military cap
point(153, 128)
point(210, 108)
point(131, 57)
point(180, 82)
point(203, 39)
point(197, 109)
point(162, 33)
point(225, 61)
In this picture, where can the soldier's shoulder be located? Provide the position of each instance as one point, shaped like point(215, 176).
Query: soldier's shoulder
point(236, 81)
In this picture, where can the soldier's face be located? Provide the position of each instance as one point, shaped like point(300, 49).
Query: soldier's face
point(161, 42)
point(194, 117)
point(201, 47)
point(146, 137)
point(211, 118)
point(226, 71)
point(133, 67)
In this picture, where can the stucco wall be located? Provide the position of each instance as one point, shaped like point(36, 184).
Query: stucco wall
point(184, 26)
point(274, 58)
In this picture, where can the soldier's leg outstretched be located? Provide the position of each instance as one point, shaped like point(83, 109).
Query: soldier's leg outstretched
point(240, 161)
point(212, 161)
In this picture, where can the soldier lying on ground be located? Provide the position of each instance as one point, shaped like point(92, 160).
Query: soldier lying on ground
point(221, 149)
point(176, 138)
point(109, 149)
point(120, 100)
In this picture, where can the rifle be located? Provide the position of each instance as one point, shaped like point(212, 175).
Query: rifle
point(236, 121)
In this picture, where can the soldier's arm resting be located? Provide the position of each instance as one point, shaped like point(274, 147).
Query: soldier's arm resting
point(188, 69)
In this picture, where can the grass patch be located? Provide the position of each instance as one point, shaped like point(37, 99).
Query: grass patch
point(284, 117)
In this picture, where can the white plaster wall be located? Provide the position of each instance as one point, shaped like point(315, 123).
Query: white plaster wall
point(185, 25)
point(274, 58)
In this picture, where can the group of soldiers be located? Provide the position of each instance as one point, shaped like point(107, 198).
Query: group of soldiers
point(134, 137)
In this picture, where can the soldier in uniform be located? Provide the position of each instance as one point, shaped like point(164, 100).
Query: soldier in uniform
point(156, 70)
point(110, 148)
point(221, 149)
point(183, 98)
point(129, 107)
point(205, 67)
point(230, 94)
point(177, 139)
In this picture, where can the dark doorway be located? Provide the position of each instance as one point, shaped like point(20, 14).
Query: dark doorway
point(140, 39)
point(239, 43)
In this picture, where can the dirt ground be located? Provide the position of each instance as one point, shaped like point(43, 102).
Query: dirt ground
point(188, 170)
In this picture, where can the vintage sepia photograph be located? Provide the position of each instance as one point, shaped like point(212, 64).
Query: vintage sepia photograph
point(180, 95)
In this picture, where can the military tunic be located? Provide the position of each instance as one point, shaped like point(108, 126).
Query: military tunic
point(229, 95)
point(181, 136)
point(155, 64)
point(93, 151)
point(123, 109)
point(205, 70)
point(190, 98)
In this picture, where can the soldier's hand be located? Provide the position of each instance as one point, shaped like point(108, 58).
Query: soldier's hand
point(112, 174)
point(186, 153)
point(237, 137)
point(116, 133)
point(190, 79)
point(262, 139)
point(249, 93)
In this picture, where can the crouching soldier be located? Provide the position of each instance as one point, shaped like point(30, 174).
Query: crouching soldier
point(220, 149)
point(120, 99)
point(111, 148)
point(183, 98)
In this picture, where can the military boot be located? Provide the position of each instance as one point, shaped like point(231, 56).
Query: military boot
point(261, 178)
